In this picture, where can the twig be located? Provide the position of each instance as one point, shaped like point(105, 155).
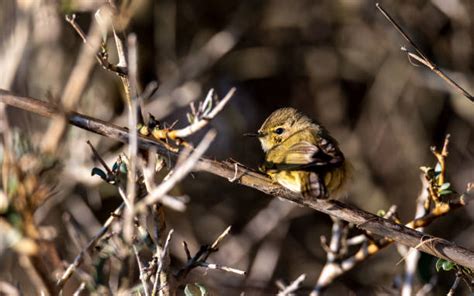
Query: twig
point(236, 175)
point(334, 251)
point(31, 272)
point(161, 259)
point(455, 284)
point(79, 290)
point(295, 285)
point(78, 260)
point(203, 120)
point(101, 57)
point(179, 173)
point(367, 221)
point(428, 287)
point(8, 289)
point(422, 58)
point(199, 259)
point(222, 267)
point(141, 270)
point(132, 145)
point(99, 158)
point(166, 200)
point(75, 86)
point(411, 261)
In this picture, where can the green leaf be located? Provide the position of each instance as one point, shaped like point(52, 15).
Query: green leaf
point(445, 186)
point(437, 169)
point(439, 264)
point(445, 189)
point(123, 168)
point(195, 289)
point(444, 265)
point(448, 265)
point(100, 173)
point(446, 192)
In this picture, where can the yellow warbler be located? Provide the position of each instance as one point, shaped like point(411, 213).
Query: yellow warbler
point(301, 155)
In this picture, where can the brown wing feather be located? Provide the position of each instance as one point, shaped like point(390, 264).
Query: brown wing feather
point(314, 187)
point(304, 154)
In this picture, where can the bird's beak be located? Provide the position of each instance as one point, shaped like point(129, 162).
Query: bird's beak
point(255, 135)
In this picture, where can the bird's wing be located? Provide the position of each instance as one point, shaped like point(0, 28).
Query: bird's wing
point(304, 154)
point(314, 186)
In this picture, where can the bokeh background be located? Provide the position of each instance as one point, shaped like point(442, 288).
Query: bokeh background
point(337, 61)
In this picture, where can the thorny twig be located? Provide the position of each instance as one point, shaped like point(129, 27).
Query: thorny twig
point(371, 246)
point(179, 173)
point(336, 264)
point(422, 58)
point(175, 203)
point(203, 115)
point(199, 259)
point(92, 243)
point(198, 119)
point(293, 287)
point(75, 86)
point(102, 56)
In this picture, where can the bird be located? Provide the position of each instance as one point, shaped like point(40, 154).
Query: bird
point(301, 155)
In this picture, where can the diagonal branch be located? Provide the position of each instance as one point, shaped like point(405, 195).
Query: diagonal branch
point(372, 223)
point(421, 57)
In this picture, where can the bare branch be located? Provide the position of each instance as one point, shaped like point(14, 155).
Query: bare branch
point(79, 258)
point(204, 118)
point(422, 58)
point(141, 270)
point(75, 86)
point(377, 225)
point(199, 259)
point(222, 267)
point(411, 261)
point(132, 146)
point(101, 57)
point(455, 285)
point(179, 173)
point(293, 287)
point(161, 264)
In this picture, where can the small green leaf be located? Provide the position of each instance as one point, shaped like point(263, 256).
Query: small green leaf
point(444, 265)
point(439, 264)
point(446, 192)
point(445, 186)
point(448, 265)
point(100, 173)
point(195, 289)
point(123, 168)
point(445, 189)
point(437, 169)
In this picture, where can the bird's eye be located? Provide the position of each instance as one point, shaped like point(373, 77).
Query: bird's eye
point(279, 131)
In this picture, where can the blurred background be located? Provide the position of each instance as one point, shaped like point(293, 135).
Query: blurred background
point(337, 61)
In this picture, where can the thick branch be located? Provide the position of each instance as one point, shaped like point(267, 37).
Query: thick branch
point(379, 226)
